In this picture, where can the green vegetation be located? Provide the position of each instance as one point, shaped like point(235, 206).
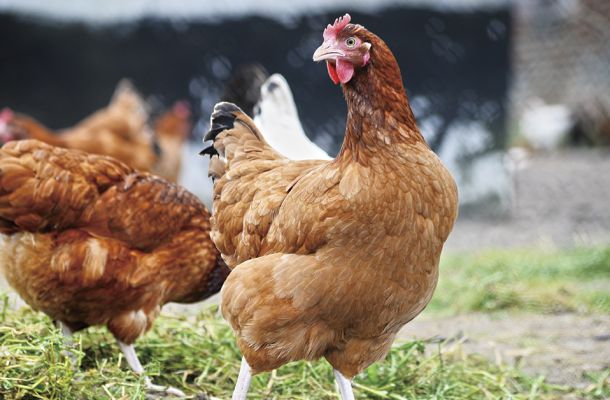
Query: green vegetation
point(538, 281)
point(198, 355)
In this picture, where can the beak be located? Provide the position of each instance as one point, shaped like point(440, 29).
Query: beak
point(326, 52)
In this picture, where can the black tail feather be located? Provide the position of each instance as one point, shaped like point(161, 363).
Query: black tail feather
point(209, 149)
point(223, 118)
point(219, 124)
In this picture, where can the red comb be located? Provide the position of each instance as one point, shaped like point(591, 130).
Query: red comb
point(331, 31)
point(6, 115)
point(182, 109)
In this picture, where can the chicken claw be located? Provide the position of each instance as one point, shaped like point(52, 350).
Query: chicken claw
point(166, 390)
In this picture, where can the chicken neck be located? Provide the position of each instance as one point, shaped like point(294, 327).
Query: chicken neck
point(379, 114)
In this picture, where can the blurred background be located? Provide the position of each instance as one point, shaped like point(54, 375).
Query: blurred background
point(483, 76)
point(455, 59)
point(504, 91)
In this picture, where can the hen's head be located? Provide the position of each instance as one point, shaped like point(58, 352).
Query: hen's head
point(345, 49)
point(174, 124)
point(7, 131)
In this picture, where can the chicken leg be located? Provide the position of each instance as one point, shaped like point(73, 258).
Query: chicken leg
point(245, 377)
point(68, 342)
point(132, 359)
point(344, 385)
point(243, 381)
point(67, 332)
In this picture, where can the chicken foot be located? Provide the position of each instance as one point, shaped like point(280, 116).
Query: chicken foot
point(129, 352)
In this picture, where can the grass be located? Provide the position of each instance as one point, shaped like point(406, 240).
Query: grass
point(575, 280)
point(198, 355)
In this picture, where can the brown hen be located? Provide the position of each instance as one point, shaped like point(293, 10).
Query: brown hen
point(172, 129)
point(89, 240)
point(330, 258)
point(120, 130)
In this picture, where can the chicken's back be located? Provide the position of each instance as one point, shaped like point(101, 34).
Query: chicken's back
point(90, 241)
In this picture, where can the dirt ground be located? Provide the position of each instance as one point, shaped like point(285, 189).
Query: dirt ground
point(563, 348)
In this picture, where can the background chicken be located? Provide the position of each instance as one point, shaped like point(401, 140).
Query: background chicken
point(244, 86)
point(90, 241)
point(172, 130)
point(330, 258)
point(277, 117)
point(120, 130)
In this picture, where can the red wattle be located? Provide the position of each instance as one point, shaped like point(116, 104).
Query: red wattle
point(345, 70)
point(332, 72)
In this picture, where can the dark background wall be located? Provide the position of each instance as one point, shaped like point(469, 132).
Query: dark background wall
point(455, 65)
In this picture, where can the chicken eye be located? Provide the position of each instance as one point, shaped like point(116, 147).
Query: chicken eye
point(350, 42)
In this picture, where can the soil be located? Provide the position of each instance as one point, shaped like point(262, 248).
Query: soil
point(563, 348)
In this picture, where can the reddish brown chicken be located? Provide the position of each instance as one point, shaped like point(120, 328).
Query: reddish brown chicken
point(120, 130)
point(89, 241)
point(330, 258)
point(172, 130)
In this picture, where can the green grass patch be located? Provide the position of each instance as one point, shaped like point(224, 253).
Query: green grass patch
point(520, 280)
point(199, 356)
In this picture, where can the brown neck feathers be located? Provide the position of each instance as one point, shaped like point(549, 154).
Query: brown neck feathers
point(379, 113)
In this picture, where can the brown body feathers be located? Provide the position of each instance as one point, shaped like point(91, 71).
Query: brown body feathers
point(91, 241)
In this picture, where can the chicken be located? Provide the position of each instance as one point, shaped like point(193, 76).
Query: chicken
point(244, 86)
point(172, 130)
point(120, 130)
point(6, 116)
point(90, 241)
point(546, 127)
point(330, 258)
point(278, 120)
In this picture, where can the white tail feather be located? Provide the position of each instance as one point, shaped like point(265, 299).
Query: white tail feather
point(278, 120)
